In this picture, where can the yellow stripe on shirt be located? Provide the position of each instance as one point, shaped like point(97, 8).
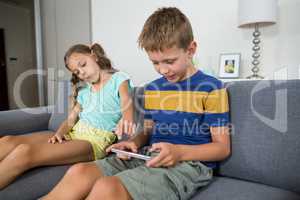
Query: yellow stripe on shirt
point(187, 101)
point(217, 101)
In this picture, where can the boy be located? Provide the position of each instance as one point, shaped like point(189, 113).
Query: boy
point(186, 118)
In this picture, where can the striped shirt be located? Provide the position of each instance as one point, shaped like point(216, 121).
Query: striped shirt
point(183, 112)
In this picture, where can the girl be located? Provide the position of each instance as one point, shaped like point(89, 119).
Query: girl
point(87, 131)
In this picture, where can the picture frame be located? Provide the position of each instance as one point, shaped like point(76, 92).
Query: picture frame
point(229, 65)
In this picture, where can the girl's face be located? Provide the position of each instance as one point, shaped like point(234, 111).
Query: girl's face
point(85, 67)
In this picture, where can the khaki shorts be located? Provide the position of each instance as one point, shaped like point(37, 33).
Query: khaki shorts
point(99, 139)
point(144, 183)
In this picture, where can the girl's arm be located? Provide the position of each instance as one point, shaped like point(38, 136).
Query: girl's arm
point(66, 125)
point(136, 142)
point(126, 124)
point(141, 139)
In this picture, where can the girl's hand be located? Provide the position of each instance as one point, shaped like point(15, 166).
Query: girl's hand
point(125, 127)
point(126, 146)
point(58, 137)
point(168, 155)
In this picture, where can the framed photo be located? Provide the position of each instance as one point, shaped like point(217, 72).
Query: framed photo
point(229, 65)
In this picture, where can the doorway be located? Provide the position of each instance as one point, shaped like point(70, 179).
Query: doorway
point(3, 75)
point(19, 19)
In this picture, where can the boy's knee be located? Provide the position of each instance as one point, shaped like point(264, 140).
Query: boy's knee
point(83, 171)
point(78, 169)
point(108, 186)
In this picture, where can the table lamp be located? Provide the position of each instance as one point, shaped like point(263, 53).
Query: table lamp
point(256, 13)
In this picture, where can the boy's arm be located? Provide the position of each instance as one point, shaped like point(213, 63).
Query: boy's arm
point(170, 154)
point(136, 142)
point(217, 150)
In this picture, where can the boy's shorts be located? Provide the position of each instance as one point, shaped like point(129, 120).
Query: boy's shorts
point(144, 183)
point(99, 139)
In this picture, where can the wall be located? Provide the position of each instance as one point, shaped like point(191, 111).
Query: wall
point(64, 23)
point(117, 24)
point(19, 40)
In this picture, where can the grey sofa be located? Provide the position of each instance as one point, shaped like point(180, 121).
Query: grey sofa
point(265, 160)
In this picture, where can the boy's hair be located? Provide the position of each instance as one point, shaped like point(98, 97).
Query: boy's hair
point(101, 59)
point(165, 28)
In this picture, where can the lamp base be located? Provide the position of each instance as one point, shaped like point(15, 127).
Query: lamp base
point(255, 55)
point(255, 76)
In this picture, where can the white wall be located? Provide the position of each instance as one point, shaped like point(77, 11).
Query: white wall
point(64, 23)
point(19, 42)
point(116, 25)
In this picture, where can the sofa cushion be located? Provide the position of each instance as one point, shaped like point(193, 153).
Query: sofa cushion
point(138, 102)
point(23, 121)
point(265, 133)
point(233, 189)
point(34, 184)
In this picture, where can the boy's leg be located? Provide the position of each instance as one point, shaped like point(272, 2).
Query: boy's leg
point(80, 178)
point(76, 183)
point(27, 156)
point(179, 182)
point(109, 187)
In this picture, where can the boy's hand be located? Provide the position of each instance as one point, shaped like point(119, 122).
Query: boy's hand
point(126, 146)
point(168, 155)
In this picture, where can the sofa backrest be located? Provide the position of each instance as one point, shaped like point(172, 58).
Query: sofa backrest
point(265, 136)
point(265, 118)
point(60, 109)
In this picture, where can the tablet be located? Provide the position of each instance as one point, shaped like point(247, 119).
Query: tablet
point(130, 154)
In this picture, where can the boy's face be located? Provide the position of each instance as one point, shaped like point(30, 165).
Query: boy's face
point(174, 63)
point(84, 67)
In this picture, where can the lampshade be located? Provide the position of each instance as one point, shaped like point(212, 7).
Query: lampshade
point(257, 11)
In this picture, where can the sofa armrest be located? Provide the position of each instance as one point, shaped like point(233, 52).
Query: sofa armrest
point(22, 121)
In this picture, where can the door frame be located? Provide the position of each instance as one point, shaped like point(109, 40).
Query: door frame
point(5, 87)
point(39, 52)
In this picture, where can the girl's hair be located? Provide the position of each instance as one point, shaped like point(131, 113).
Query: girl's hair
point(101, 59)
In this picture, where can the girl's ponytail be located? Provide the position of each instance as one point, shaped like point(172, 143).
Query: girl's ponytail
point(74, 81)
point(103, 62)
point(97, 49)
